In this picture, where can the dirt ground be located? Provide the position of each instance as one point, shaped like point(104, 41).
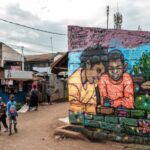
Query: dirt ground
point(36, 130)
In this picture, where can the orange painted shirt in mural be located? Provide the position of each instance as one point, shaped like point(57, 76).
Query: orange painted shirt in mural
point(120, 92)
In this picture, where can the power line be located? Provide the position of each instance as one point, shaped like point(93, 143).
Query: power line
point(27, 41)
point(45, 31)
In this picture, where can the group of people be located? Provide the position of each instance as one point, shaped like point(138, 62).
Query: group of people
point(8, 110)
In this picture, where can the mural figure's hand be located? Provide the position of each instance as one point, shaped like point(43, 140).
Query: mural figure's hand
point(107, 102)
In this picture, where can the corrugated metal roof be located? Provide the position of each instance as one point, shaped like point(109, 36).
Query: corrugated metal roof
point(60, 64)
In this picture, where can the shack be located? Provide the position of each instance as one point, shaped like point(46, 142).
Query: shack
point(58, 78)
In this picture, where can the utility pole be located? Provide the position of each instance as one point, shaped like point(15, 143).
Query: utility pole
point(51, 77)
point(107, 12)
point(52, 46)
point(22, 47)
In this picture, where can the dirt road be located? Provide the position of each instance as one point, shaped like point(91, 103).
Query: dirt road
point(36, 133)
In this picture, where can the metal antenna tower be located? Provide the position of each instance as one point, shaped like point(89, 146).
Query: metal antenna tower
point(118, 19)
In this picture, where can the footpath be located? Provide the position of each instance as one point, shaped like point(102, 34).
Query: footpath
point(36, 132)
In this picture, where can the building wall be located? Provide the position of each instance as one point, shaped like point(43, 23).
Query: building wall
point(58, 88)
point(97, 97)
point(30, 65)
point(11, 60)
point(10, 54)
point(0, 51)
point(1, 73)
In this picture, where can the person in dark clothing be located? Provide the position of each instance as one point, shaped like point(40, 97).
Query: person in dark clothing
point(3, 115)
point(48, 93)
point(34, 98)
point(28, 98)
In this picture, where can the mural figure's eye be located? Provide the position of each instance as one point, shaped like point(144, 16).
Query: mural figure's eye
point(98, 70)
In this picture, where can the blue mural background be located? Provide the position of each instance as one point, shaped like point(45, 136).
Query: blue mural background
point(132, 56)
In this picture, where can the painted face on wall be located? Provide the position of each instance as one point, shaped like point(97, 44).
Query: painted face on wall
point(94, 72)
point(115, 69)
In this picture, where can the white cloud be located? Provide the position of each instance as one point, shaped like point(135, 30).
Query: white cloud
point(56, 15)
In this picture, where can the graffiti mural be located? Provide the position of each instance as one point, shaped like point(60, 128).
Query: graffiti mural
point(83, 81)
point(116, 85)
point(109, 81)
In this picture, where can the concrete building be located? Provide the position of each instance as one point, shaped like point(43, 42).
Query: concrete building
point(12, 74)
point(41, 65)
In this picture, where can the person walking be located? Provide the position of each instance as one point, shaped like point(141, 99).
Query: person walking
point(12, 114)
point(3, 115)
point(27, 98)
point(34, 98)
point(48, 93)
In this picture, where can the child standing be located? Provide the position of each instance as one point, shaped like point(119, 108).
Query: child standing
point(12, 114)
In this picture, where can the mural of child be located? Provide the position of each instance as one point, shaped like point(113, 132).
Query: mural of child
point(83, 81)
point(116, 86)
